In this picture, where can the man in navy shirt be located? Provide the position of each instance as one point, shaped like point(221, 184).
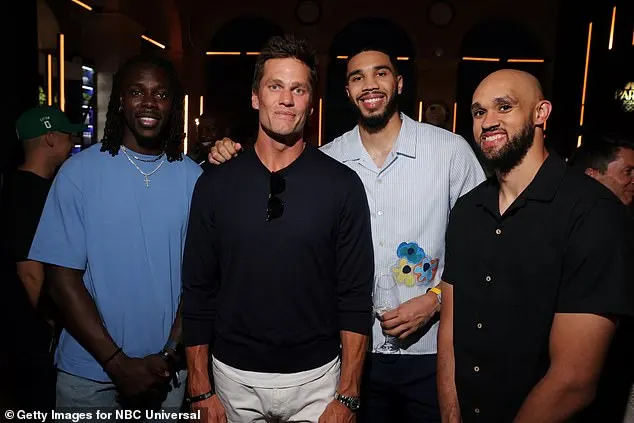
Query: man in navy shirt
point(278, 266)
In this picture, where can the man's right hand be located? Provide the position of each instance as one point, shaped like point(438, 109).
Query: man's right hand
point(135, 377)
point(223, 150)
point(211, 410)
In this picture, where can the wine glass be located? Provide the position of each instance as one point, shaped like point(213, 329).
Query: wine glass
point(386, 298)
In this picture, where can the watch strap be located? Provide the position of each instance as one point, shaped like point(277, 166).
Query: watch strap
point(198, 398)
point(352, 403)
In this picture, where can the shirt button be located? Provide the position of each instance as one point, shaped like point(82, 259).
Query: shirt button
point(379, 181)
point(476, 369)
point(479, 325)
point(379, 213)
point(476, 410)
point(488, 278)
point(498, 231)
point(381, 243)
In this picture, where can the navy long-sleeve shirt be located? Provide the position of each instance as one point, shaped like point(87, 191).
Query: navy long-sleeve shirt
point(273, 296)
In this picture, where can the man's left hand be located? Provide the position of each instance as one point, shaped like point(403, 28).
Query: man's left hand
point(410, 316)
point(336, 412)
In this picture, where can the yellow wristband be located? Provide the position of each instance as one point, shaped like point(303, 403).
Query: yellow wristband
point(435, 290)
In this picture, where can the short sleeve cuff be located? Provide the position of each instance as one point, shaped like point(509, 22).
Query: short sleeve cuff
point(447, 277)
point(57, 261)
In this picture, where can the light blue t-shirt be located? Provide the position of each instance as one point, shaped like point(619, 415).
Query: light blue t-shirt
point(128, 237)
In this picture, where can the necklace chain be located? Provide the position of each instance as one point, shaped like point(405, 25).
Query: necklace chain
point(146, 175)
point(141, 159)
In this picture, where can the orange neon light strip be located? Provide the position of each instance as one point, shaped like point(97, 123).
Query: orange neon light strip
point(84, 5)
point(62, 76)
point(223, 53)
point(481, 59)
point(156, 43)
point(585, 75)
point(525, 60)
point(612, 29)
point(49, 79)
point(186, 123)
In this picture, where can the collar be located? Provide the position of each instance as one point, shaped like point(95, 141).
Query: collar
point(405, 144)
point(543, 187)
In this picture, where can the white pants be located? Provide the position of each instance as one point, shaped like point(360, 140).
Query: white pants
point(303, 403)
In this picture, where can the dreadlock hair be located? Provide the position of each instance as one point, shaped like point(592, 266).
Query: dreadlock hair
point(115, 123)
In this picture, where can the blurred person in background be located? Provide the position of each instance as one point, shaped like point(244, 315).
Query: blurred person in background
point(45, 133)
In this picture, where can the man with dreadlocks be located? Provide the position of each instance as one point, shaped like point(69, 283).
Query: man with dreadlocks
point(111, 236)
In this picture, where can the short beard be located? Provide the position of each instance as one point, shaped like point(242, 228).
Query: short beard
point(374, 124)
point(156, 143)
point(150, 143)
point(286, 139)
point(512, 153)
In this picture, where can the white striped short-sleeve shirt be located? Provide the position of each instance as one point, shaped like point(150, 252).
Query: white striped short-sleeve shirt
point(410, 198)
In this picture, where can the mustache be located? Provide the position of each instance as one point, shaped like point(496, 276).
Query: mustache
point(486, 132)
point(148, 114)
point(371, 93)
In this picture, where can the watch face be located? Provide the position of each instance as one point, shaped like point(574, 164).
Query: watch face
point(352, 403)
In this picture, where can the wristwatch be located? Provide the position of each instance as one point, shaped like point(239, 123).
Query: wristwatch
point(353, 403)
point(169, 350)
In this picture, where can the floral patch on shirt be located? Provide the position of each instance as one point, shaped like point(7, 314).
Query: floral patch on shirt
point(413, 266)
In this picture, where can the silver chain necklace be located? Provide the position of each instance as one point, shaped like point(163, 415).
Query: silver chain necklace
point(146, 175)
point(152, 160)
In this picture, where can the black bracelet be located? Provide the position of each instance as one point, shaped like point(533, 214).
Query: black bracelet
point(109, 359)
point(201, 397)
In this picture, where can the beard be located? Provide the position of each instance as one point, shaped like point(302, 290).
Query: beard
point(511, 154)
point(377, 122)
point(152, 143)
point(154, 139)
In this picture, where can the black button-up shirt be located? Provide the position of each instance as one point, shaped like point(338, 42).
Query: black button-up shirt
point(561, 247)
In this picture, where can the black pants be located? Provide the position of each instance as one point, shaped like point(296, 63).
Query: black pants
point(31, 360)
point(399, 388)
point(34, 383)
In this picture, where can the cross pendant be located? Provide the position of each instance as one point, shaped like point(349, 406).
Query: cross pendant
point(147, 181)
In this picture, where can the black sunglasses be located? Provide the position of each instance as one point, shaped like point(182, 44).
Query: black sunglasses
point(275, 207)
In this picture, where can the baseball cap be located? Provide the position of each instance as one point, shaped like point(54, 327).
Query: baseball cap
point(40, 120)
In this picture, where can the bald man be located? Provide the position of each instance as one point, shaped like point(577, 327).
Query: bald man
point(535, 274)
